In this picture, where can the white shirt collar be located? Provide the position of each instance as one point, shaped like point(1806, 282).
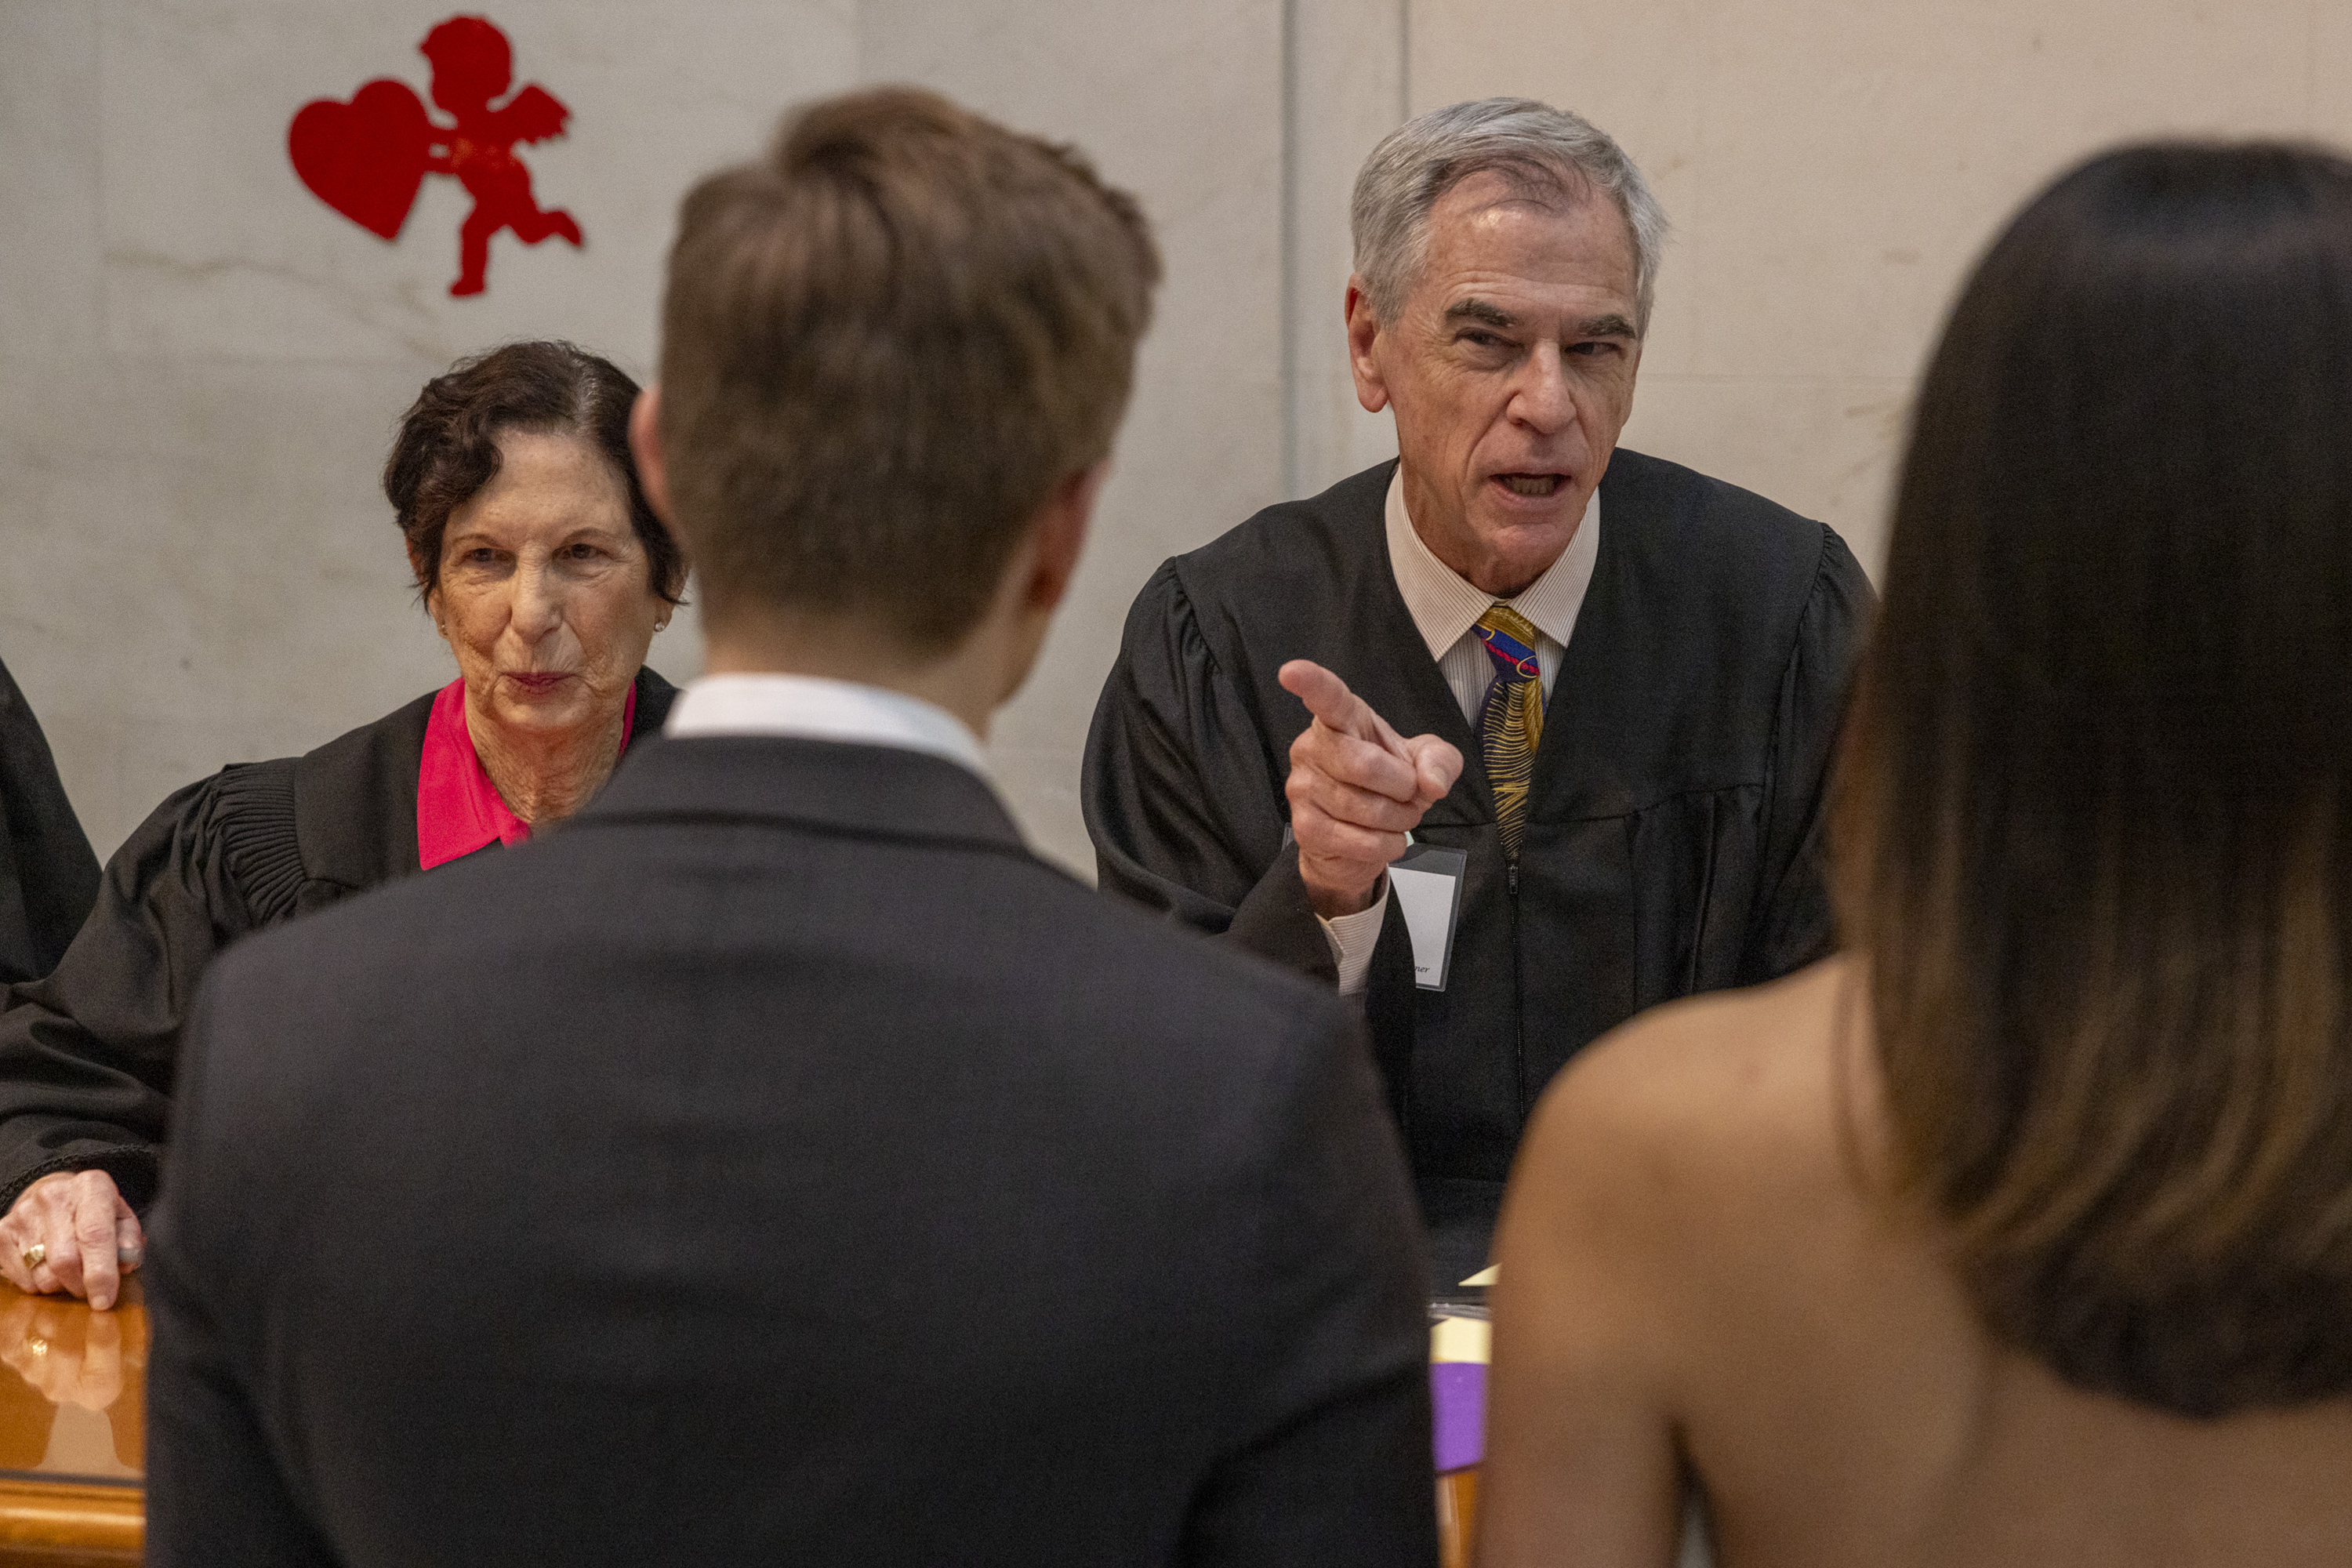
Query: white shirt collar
point(1444, 605)
point(812, 708)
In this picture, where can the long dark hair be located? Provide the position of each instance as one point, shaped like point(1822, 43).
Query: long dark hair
point(2095, 819)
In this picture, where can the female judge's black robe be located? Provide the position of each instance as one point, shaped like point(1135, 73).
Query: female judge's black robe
point(1674, 819)
point(87, 1055)
point(47, 875)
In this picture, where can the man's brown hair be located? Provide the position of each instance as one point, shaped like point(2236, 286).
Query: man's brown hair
point(2095, 819)
point(884, 344)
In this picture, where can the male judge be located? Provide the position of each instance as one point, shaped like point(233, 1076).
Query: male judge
point(782, 1164)
point(1620, 678)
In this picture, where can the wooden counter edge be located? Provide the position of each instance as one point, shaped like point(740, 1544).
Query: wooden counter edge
point(61, 1517)
point(1457, 1516)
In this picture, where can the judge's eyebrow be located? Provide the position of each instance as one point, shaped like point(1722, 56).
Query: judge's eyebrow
point(1481, 311)
point(1487, 313)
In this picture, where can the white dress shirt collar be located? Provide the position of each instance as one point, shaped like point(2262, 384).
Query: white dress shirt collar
point(1444, 605)
point(809, 707)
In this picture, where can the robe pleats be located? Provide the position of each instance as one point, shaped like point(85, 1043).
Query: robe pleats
point(88, 1054)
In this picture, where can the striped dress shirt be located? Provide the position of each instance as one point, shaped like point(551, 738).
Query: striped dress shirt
point(1444, 607)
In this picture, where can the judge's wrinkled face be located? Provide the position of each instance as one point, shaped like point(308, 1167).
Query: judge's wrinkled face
point(1510, 367)
point(546, 595)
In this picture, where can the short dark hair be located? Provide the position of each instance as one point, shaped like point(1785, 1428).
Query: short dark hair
point(884, 344)
point(2095, 819)
point(447, 446)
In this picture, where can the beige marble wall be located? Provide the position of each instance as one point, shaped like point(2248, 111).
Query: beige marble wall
point(1182, 105)
point(200, 364)
point(1347, 91)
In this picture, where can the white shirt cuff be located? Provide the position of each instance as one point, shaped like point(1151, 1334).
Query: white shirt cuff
point(1352, 939)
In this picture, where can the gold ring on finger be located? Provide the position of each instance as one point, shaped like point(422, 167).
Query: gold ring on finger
point(34, 1255)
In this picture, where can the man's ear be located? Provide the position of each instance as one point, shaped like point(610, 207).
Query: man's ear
point(1061, 535)
point(1363, 331)
point(645, 444)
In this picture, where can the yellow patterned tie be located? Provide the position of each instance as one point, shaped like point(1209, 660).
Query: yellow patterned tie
point(1510, 727)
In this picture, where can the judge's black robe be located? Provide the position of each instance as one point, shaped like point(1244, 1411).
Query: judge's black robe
point(48, 878)
point(87, 1055)
point(1673, 821)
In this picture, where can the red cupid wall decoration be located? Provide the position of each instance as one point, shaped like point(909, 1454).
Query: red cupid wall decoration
point(367, 158)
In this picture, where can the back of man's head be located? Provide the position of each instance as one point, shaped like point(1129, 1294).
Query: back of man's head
point(883, 345)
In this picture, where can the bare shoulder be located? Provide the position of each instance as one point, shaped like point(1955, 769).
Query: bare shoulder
point(1723, 1089)
point(1671, 1176)
point(1676, 1181)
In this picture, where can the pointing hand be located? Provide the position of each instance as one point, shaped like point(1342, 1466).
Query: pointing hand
point(1356, 789)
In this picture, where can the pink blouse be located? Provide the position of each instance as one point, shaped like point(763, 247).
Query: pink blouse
point(458, 809)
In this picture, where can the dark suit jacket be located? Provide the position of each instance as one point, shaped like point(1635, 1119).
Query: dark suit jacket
point(1672, 831)
point(779, 1164)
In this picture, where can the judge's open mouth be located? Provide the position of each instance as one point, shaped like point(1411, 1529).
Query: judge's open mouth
point(1532, 485)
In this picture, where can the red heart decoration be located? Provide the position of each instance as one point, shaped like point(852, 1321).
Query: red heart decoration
point(365, 158)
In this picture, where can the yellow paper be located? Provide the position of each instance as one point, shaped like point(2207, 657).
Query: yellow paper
point(1461, 1339)
point(1483, 1277)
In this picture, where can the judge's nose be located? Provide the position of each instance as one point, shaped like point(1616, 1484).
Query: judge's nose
point(1540, 398)
point(537, 607)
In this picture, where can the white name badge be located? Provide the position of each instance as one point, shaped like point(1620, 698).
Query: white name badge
point(1427, 881)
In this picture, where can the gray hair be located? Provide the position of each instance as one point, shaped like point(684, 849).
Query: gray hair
point(1532, 144)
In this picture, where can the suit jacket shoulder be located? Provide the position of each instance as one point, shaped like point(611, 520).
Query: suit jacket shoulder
point(1156, 981)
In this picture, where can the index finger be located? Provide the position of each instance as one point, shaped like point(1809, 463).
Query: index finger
point(1328, 698)
point(95, 1275)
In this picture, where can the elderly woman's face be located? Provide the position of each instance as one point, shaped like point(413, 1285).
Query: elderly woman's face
point(545, 594)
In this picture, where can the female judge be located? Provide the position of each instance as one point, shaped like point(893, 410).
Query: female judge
point(2021, 1232)
point(548, 576)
